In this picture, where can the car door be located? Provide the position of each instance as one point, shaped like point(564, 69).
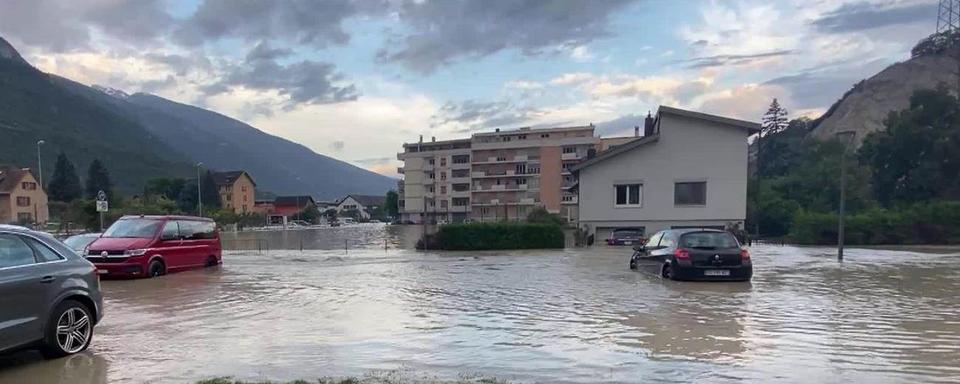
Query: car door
point(22, 293)
point(194, 245)
point(645, 256)
point(171, 245)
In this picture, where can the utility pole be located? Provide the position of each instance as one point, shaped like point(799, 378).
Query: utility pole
point(40, 164)
point(846, 137)
point(199, 196)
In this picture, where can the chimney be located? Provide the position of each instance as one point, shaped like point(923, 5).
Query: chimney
point(648, 125)
point(421, 139)
point(497, 130)
point(636, 131)
point(433, 139)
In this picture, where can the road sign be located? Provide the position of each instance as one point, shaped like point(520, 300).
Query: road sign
point(101, 195)
point(102, 206)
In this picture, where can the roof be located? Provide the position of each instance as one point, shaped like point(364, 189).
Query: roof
point(532, 130)
point(616, 151)
point(228, 177)
point(368, 200)
point(749, 126)
point(10, 176)
point(298, 201)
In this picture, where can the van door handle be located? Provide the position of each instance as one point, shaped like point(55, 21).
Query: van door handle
point(47, 279)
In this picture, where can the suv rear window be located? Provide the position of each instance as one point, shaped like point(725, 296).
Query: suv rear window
point(708, 240)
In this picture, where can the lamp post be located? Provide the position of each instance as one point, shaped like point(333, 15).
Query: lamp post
point(40, 164)
point(199, 196)
point(845, 137)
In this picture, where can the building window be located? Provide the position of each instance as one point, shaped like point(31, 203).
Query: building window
point(28, 185)
point(460, 159)
point(24, 217)
point(690, 193)
point(430, 188)
point(628, 195)
point(521, 169)
point(544, 135)
point(432, 175)
point(23, 201)
point(569, 149)
point(443, 204)
point(443, 189)
point(460, 173)
point(443, 175)
point(443, 161)
point(431, 161)
point(461, 187)
point(243, 188)
point(521, 181)
point(461, 201)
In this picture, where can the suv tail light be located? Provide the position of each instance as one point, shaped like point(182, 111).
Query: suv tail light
point(744, 256)
point(681, 254)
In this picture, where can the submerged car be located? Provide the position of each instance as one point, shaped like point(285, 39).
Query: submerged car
point(79, 243)
point(694, 254)
point(49, 296)
point(150, 246)
point(625, 236)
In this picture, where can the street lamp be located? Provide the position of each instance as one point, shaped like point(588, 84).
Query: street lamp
point(40, 163)
point(199, 196)
point(845, 137)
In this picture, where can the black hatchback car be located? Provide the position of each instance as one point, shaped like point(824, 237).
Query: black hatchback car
point(694, 254)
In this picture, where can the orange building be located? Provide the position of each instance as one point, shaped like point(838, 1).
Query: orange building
point(22, 198)
point(237, 190)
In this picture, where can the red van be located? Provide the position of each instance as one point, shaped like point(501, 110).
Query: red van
point(138, 246)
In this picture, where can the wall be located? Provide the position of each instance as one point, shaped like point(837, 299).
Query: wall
point(38, 208)
point(241, 193)
point(687, 150)
point(550, 178)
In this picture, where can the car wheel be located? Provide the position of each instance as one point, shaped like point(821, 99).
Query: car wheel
point(633, 263)
point(69, 330)
point(212, 261)
point(667, 271)
point(156, 268)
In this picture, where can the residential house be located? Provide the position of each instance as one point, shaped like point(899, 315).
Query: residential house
point(237, 190)
point(22, 198)
point(688, 170)
point(289, 207)
point(364, 205)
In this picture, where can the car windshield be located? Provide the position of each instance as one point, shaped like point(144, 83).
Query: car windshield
point(708, 240)
point(80, 241)
point(144, 228)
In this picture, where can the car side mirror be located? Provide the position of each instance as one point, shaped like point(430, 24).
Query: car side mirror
point(640, 248)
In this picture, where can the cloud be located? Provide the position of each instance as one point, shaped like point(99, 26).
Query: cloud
point(747, 102)
point(65, 26)
point(571, 78)
point(472, 115)
point(444, 31)
point(295, 21)
point(861, 16)
point(722, 60)
point(622, 125)
point(304, 82)
point(524, 85)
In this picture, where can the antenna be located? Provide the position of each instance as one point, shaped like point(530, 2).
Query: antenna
point(948, 16)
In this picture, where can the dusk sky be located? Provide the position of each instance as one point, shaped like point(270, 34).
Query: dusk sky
point(355, 79)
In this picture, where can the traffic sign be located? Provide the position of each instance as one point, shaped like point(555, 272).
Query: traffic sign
point(101, 195)
point(102, 206)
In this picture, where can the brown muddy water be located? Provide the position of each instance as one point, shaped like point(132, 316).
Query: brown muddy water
point(574, 315)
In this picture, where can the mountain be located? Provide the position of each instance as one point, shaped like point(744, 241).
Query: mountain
point(142, 136)
point(866, 105)
point(35, 106)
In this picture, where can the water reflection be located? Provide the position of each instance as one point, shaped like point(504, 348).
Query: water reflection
point(575, 315)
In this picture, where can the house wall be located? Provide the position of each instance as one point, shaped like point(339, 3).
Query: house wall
point(241, 195)
point(687, 150)
point(349, 203)
point(37, 209)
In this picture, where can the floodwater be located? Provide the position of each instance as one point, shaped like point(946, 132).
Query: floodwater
point(574, 315)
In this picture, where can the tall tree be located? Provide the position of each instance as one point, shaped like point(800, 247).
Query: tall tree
point(392, 204)
point(774, 120)
point(208, 188)
point(98, 179)
point(65, 184)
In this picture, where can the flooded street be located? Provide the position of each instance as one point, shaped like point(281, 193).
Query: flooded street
point(574, 315)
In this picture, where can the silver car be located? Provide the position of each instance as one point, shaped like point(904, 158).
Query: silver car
point(49, 296)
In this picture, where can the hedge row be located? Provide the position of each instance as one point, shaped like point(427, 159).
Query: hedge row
point(926, 223)
point(488, 236)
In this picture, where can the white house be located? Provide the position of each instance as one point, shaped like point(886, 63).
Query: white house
point(688, 170)
point(364, 204)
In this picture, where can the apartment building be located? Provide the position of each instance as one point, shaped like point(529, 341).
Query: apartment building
point(492, 176)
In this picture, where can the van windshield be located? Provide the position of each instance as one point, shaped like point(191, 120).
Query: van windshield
point(708, 240)
point(142, 228)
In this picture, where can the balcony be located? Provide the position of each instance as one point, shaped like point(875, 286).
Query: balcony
point(400, 170)
point(506, 160)
point(495, 174)
point(570, 200)
point(504, 188)
point(570, 156)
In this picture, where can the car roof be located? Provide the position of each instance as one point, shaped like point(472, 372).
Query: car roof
point(166, 217)
point(15, 228)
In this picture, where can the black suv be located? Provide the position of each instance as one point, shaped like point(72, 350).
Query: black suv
point(694, 254)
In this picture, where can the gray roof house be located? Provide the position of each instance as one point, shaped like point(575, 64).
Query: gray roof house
point(364, 204)
point(688, 170)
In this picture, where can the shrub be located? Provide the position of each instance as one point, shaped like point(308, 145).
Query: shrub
point(923, 223)
point(489, 236)
point(540, 215)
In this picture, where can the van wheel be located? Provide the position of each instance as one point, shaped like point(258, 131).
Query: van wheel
point(212, 261)
point(667, 271)
point(69, 330)
point(156, 268)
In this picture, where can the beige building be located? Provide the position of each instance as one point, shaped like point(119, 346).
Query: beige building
point(22, 198)
point(237, 190)
point(436, 181)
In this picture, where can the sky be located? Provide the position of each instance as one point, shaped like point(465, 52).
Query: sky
point(355, 79)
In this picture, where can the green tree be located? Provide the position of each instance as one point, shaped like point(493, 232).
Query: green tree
point(65, 184)
point(310, 214)
point(168, 188)
point(917, 157)
point(98, 179)
point(540, 215)
point(330, 214)
point(187, 197)
point(208, 188)
point(392, 204)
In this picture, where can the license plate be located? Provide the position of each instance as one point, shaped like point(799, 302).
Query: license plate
point(102, 271)
point(627, 243)
point(716, 272)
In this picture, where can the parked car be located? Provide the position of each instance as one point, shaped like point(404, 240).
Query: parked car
point(625, 236)
point(49, 296)
point(79, 243)
point(694, 254)
point(150, 246)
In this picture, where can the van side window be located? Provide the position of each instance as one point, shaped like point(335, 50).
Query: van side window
point(44, 253)
point(170, 230)
point(187, 229)
point(14, 252)
point(206, 230)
